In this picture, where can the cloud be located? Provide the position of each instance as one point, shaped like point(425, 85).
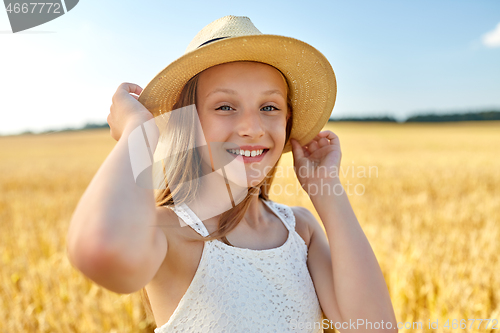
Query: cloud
point(492, 38)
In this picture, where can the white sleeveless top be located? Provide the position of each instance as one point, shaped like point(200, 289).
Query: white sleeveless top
point(245, 290)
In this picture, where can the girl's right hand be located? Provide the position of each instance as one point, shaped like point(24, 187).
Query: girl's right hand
point(125, 109)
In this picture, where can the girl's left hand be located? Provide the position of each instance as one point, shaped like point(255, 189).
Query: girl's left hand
point(319, 160)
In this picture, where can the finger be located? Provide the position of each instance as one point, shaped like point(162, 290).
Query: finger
point(323, 142)
point(130, 88)
point(328, 135)
point(313, 146)
point(298, 153)
point(134, 96)
point(325, 134)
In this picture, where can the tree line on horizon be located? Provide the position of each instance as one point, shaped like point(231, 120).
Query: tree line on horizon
point(430, 117)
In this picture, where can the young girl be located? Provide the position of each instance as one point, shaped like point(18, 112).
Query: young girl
point(225, 113)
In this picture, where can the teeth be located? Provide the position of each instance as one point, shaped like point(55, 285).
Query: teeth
point(246, 153)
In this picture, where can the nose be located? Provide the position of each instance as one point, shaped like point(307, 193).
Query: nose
point(250, 125)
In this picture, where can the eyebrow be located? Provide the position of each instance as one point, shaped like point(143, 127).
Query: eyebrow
point(233, 92)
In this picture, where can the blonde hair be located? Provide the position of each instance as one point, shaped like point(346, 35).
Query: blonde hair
point(187, 155)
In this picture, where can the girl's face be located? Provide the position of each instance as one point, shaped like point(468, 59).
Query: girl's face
point(242, 107)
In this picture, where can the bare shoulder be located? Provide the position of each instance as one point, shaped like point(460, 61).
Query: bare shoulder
point(184, 246)
point(174, 229)
point(305, 223)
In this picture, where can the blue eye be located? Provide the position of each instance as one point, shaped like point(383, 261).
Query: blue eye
point(270, 106)
point(224, 106)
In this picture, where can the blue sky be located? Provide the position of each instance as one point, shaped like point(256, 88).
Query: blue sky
point(394, 58)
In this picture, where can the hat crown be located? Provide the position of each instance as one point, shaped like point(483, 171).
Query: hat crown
point(227, 26)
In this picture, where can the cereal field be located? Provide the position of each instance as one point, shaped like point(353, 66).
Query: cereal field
point(426, 195)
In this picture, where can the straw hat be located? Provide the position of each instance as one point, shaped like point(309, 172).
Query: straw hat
point(234, 38)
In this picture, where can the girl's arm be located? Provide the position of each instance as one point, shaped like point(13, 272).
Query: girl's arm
point(345, 271)
point(359, 287)
point(112, 238)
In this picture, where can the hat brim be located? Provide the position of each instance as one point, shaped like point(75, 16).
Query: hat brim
point(312, 82)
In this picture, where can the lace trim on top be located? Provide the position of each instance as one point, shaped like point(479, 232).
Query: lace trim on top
point(188, 216)
point(284, 213)
point(194, 221)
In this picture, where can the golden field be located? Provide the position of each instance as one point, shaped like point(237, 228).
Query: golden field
point(430, 209)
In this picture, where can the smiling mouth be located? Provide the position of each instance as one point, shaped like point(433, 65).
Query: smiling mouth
point(247, 153)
